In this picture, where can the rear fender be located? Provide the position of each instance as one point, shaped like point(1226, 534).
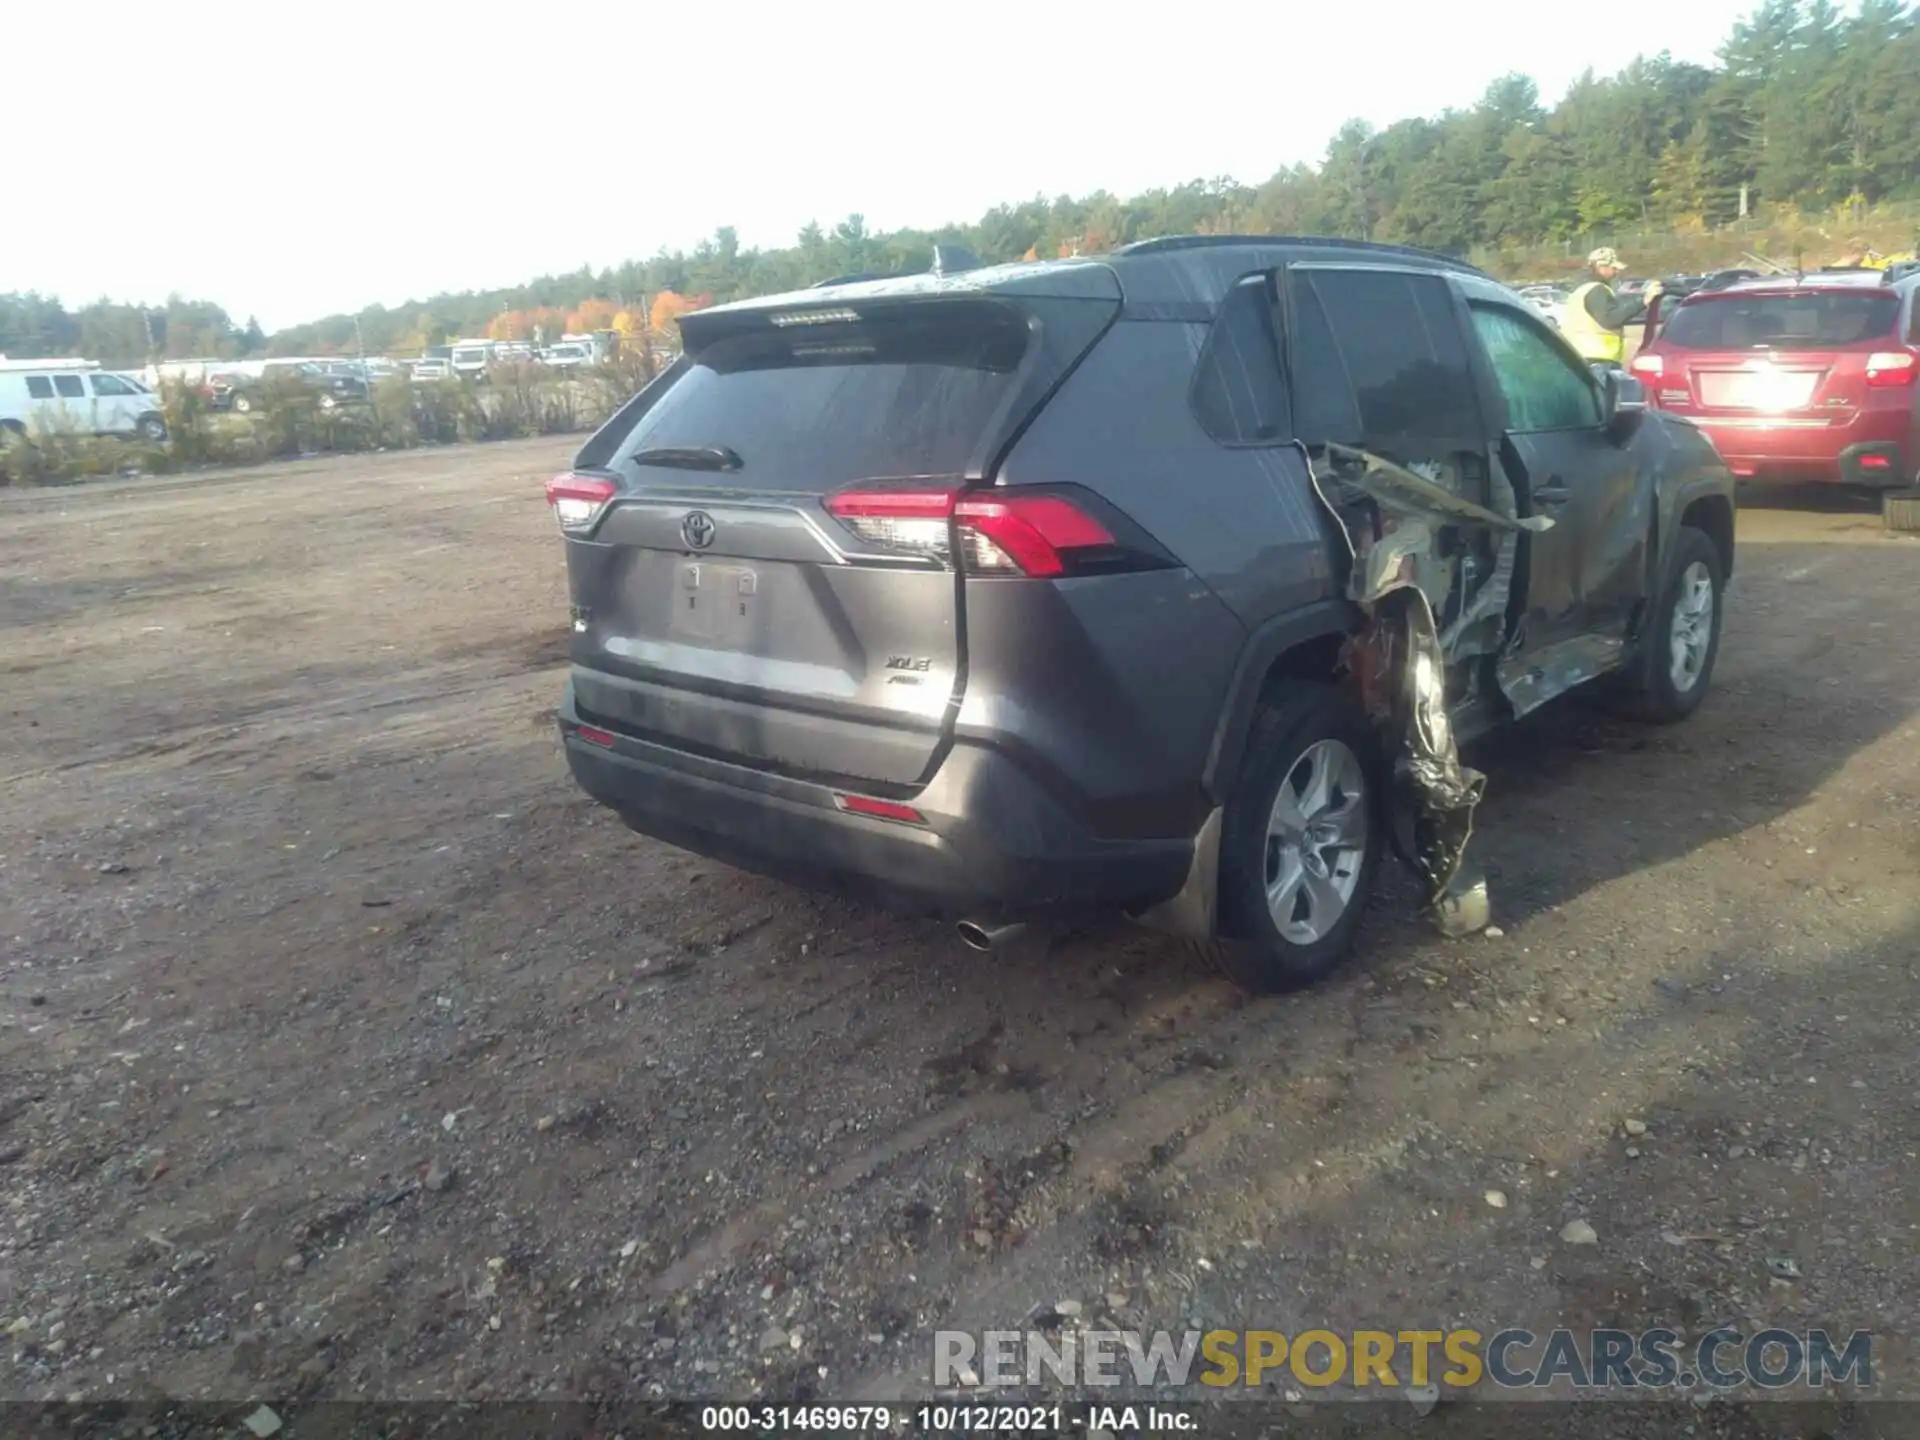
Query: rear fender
point(1319, 621)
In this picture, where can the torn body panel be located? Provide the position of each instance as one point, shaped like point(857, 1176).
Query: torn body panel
point(1588, 578)
point(1420, 548)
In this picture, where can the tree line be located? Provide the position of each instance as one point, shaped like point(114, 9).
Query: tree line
point(1809, 108)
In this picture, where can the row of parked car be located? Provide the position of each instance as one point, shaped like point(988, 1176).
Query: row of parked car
point(243, 386)
point(1549, 299)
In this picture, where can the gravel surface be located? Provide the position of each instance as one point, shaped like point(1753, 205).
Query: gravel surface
point(346, 1051)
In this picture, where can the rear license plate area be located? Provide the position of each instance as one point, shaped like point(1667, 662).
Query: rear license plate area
point(1765, 391)
point(716, 605)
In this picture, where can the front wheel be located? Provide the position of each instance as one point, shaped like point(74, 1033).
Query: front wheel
point(1300, 842)
point(242, 402)
point(152, 428)
point(1683, 633)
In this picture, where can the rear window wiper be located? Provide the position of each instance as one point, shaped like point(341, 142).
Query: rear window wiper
point(689, 457)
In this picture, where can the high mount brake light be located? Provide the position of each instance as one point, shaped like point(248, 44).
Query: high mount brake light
point(1003, 531)
point(577, 500)
point(1887, 369)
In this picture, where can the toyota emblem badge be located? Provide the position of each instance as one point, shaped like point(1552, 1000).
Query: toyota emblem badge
point(697, 529)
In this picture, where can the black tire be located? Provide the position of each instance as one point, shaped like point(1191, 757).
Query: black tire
point(242, 402)
point(1252, 950)
point(1654, 694)
point(152, 428)
point(1900, 511)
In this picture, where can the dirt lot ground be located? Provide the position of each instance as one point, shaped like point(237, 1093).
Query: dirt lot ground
point(345, 1050)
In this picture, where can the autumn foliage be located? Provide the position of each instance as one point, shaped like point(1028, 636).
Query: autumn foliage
point(545, 323)
point(669, 307)
point(592, 315)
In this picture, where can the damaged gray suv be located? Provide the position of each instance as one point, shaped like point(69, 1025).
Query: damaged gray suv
point(1164, 584)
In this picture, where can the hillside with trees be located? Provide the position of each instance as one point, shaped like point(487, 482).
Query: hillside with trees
point(1811, 115)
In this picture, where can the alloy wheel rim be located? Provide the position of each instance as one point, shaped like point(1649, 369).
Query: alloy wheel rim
point(1692, 630)
point(1316, 841)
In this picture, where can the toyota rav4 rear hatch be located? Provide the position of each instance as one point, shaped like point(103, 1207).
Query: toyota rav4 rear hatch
point(721, 605)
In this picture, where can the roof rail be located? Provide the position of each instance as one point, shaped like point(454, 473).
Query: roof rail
point(1164, 243)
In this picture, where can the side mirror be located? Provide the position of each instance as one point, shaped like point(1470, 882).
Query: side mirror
point(1623, 400)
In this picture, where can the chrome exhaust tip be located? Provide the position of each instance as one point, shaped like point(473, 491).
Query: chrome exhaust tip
point(988, 938)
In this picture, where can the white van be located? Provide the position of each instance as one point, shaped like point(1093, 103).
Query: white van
point(471, 358)
point(77, 397)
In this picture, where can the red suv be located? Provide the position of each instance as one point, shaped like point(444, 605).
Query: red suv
point(1810, 378)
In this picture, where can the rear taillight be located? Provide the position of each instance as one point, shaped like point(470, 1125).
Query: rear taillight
point(1648, 367)
point(1042, 534)
point(912, 520)
point(1034, 534)
point(1889, 368)
point(577, 500)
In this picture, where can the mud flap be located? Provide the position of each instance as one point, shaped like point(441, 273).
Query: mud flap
point(1399, 661)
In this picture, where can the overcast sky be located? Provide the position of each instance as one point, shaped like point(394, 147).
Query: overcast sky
point(291, 161)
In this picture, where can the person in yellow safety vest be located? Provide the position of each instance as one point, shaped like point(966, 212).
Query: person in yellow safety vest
point(1595, 317)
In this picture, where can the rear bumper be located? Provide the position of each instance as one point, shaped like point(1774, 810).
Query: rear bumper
point(1810, 454)
point(995, 845)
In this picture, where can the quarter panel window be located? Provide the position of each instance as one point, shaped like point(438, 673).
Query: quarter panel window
point(1239, 391)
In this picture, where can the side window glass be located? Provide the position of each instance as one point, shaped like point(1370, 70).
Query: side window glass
point(1379, 353)
point(110, 385)
point(69, 387)
point(39, 387)
point(1239, 393)
point(1913, 320)
point(1545, 388)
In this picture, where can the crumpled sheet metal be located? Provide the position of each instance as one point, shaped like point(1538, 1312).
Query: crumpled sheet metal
point(1400, 489)
point(1481, 626)
point(1399, 661)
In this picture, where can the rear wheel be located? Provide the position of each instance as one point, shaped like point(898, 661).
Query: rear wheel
point(1683, 634)
point(1299, 844)
point(1900, 510)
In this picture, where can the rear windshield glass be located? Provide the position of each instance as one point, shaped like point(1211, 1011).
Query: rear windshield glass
point(1808, 321)
point(904, 390)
